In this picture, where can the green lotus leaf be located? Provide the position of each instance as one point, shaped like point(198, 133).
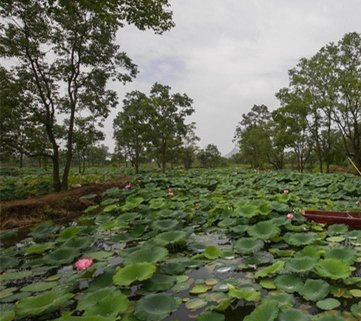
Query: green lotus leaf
point(300, 239)
point(7, 315)
point(157, 203)
point(8, 262)
point(246, 210)
point(67, 233)
point(132, 203)
point(274, 268)
point(107, 302)
point(264, 230)
point(10, 276)
point(212, 252)
point(355, 293)
point(164, 225)
point(45, 302)
point(63, 255)
point(356, 310)
point(171, 238)
point(292, 315)
point(133, 272)
point(6, 234)
point(267, 284)
point(110, 208)
point(43, 231)
point(100, 255)
point(300, 264)
point(346, 254)
point(245, 293)
point(333, 269)
point(285, 300)
point(39, 286)
point(194, 304)
point(210, 316)
point(247, 245)
point(327, 318)
point(264, 208)
point(84, 318)
point(150, 254)
point(337, 229)
point(328, 304)
point(288, 283)
point(310, 251)
point(266, 311)
point(78, 242)
point(314, 290)
point(40, 248)
point(7, 292)
point(155, 307)
point(200, 288)
point(159, 282)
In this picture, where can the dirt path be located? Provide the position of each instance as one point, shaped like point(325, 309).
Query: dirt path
point(62, 205)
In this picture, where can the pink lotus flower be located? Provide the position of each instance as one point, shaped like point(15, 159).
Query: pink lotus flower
point(170, 192)
point(290, 216)
point(83, 264)
point(128, 186)
point(286, 191)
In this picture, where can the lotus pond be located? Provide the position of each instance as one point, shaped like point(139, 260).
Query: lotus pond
point(198, 245)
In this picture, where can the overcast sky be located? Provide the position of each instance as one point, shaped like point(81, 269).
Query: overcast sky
point(228, 55)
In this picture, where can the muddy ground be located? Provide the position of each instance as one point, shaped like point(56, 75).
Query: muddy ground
point(55, 206)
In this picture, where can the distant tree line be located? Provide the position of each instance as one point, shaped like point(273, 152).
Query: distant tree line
point(319, 118)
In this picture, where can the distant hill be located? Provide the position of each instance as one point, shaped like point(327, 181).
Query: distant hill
point(234, 151)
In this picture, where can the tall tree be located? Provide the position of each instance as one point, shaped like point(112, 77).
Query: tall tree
point(209, 156)
point(131, 127)
point(167, 122)
point(66, 53)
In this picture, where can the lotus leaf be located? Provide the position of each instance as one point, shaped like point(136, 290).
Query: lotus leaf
point(346, 254)
point(159, 282)
point(333, 268)
point(210, 316)
point(7, 292)
point(170, 238)
point(164, 225)
point(264, 230)
point(5, 234)
point(84, 318)
point(150, 254)
point(355, 293)
point(300, 239)
point(285, 300)
point(356, 310)
point(212, 252)
point(67, 233)
point(247, 245)
point(63, 255)
point(8, 261)
point(292, 315)
point(288, 283)
point(100, 255)
point(266, 311)
point(246, 210)
point(133, 272)
point(246, 293)
point(7, 315)
point(39, 286)
point(309, 251)
point(328, 304)
point(110, 208)
point(337, 229)
point(45, 302)
point(78, 242)
point(314, 290)
point(300, 264)
point(195, 304)
point(40, 248)
point(157, 203)
point(327, 318)
point(200, 288)
point(164, 303)
point(132, 203)
point(10, 276)
point(43, 231)
point(274, 268)
point(267, 284)
point(107, 302)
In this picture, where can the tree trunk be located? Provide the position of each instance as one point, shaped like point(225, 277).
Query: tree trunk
point(69, 152)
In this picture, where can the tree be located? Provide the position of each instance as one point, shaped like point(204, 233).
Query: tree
point(189, 148)
point(167, 122)
point(210, 156)
point(131, 127)
point(253, 136)
point(66, 54)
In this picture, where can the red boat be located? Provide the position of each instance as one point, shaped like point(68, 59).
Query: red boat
point(352, 219)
